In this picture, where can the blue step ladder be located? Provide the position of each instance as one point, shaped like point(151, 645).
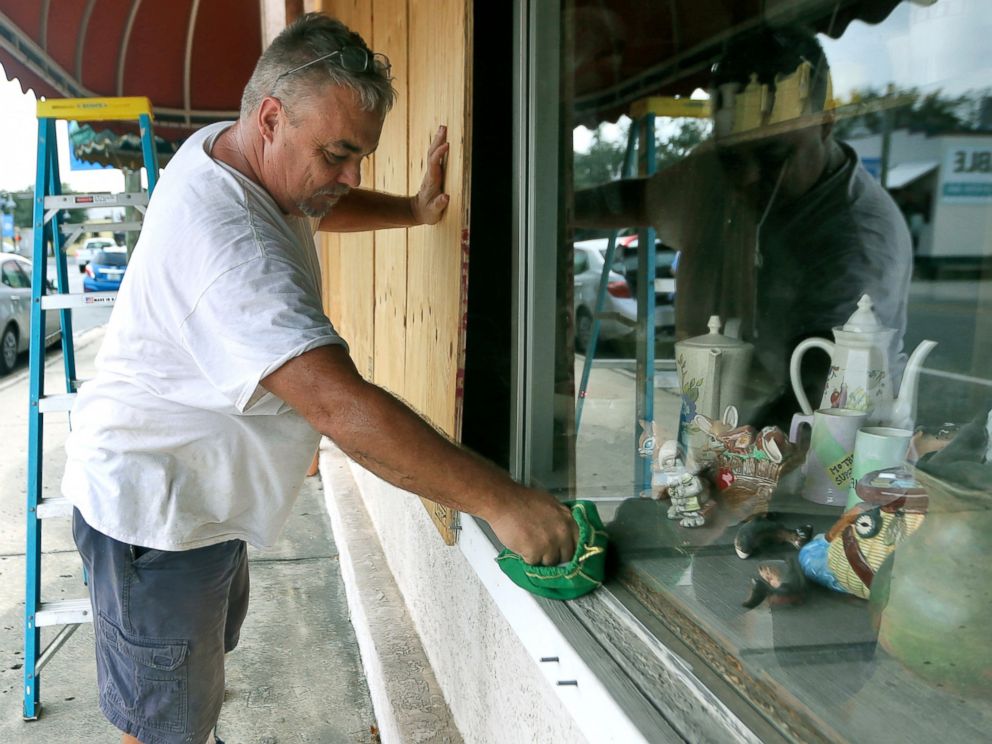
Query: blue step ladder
point(640, 159)
point(49, 203)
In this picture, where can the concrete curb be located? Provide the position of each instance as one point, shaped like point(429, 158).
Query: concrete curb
point(407, 699)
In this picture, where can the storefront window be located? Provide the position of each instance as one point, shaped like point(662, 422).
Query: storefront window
point(773, 344)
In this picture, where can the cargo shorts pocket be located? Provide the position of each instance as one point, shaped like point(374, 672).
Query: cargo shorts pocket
point(146, 678)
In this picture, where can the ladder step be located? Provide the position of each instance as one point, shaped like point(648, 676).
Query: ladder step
point(86, 201)
point(54, 403)
point(64, 612)
point(56, 506)
point(78, 299)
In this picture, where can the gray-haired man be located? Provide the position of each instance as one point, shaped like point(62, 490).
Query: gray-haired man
point(220, 371)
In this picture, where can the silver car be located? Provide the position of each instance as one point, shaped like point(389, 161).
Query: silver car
point(15, 311)
point(618, 318)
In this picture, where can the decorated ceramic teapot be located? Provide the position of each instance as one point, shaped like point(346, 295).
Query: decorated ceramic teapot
point(712, 370)
point(859, 376)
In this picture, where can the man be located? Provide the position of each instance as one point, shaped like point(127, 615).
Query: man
point(219, 373)
point(779, 224)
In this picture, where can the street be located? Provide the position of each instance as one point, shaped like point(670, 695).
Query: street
point(83, 319)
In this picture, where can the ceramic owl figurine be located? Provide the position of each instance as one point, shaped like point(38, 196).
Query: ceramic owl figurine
point(846, 558)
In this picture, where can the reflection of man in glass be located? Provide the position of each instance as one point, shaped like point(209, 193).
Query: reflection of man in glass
point(779, 224)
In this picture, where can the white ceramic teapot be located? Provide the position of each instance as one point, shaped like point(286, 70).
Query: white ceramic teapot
point(712, 371)
point(859, 371)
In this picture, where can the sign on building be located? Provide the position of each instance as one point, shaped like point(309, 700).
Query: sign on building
point(966, 175)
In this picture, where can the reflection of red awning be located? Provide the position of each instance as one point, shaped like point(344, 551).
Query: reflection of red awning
point(190, 57)
point(629, 49)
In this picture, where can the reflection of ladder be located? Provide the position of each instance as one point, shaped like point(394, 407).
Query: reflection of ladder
point(48, 204)
point(640, 159)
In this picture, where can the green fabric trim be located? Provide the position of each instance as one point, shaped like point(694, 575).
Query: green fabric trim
point(580, 575)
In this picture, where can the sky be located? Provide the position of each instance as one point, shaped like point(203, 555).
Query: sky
point(942, 46)
point(19, 147)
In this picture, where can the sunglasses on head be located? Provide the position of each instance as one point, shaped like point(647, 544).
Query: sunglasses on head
point(350, 58)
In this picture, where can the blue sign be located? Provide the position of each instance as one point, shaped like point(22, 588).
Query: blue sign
point(7, 229)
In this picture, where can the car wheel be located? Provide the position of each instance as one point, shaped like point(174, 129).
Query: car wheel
point(583, 329)
point(8, 350)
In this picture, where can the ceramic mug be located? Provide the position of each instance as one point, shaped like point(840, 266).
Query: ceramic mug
point(831, 453)
point(876, 448)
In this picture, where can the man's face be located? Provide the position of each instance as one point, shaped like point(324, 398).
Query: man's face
point(314, 150)
point(793, 160)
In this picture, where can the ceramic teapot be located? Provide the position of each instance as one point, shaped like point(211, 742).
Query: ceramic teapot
point(859, 371)
point(712, 370)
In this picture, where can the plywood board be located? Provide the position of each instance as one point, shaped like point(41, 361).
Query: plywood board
point(353, 290)
point(399, 297)
point(440, 61)
point(389, 36)
point(440, 54)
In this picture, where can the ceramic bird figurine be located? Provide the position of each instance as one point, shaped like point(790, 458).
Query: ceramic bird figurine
point(848, 555)
point(781, 582)
point(760, 532)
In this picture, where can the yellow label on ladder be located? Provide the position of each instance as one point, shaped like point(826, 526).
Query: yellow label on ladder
point(668, 106)
point(94, 109)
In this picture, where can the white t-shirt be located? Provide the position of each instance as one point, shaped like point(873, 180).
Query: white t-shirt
point(174, 443)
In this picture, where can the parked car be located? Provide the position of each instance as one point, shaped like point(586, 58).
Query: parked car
point(105, 270)
point(618, 318)
point(84, 254)
point(15, 311)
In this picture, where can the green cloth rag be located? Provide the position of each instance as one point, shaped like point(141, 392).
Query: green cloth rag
point(580, 575)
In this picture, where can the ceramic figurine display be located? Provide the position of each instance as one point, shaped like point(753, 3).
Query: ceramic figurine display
point(681, 483)
point(859, 376)
point(745, 464)
point(712, 370)
point(690, 497)
point(893, 506)
point(781, 582)
point(760, 532)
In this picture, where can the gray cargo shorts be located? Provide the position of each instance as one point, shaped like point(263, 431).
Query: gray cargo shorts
point(163, 621)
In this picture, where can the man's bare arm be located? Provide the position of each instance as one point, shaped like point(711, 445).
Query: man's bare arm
point(363, 210)
point(389, 439)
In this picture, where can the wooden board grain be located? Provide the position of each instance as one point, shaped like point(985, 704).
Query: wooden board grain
point(440, 54)
point(389, 36)
point(440, 61)
point(353, 290)
point(399, 297)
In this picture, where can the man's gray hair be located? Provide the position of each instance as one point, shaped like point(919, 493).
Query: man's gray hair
point(309, 37)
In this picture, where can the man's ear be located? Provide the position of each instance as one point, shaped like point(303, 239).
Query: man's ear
point(269, 117)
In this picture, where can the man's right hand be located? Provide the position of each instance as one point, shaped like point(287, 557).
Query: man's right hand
point(534, 525)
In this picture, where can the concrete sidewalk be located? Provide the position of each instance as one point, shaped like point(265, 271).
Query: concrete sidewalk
point(296, 676)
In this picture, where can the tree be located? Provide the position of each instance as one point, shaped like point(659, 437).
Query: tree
point(24, 208)
point(603, 161)
point(928, 113)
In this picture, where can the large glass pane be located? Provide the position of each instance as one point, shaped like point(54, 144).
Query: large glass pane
point(776, 267)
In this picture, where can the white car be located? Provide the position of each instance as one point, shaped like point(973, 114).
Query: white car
point(84, 254)
point(618, 317)
point(15, 311)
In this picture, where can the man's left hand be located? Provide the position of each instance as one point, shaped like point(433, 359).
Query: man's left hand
point(429, 203)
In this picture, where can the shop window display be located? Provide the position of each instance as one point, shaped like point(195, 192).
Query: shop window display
point(798, 476)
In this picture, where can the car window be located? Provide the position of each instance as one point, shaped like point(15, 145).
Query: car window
point(110, 258)
point(581, 262)
point(14, 276)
